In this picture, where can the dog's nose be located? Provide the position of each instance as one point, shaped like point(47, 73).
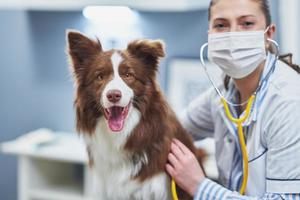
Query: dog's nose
point(114, 95)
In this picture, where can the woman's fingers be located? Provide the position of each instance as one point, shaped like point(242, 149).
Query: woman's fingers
point(173, 160)
point(181, 146)
point(170, 169)
point(177, 151)
point(184, 168)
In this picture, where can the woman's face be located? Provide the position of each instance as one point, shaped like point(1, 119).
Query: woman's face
point(235, 16)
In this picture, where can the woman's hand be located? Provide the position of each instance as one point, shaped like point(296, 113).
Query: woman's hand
point(184, 168)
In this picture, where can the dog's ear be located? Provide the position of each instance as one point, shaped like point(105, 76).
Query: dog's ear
point(150, 51)
point(81, 49)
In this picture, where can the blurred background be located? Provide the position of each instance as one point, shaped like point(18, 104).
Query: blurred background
point(36, 89)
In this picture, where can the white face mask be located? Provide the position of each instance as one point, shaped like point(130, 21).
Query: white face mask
point(238, 54)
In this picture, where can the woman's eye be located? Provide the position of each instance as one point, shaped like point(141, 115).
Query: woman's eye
point(248, 24)
point(219, 26)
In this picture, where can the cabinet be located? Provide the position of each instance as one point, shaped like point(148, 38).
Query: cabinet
point(51, 166)
point(44, 179)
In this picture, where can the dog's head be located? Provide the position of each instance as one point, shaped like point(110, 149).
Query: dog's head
point(110, 83)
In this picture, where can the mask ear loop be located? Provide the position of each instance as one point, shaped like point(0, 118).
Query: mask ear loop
point(267, 29)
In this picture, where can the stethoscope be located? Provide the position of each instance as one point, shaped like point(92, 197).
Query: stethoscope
point(238, 121)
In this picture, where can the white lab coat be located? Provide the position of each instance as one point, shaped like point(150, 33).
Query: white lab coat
point(272, 133)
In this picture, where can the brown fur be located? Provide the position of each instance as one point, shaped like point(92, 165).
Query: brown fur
point(158, 124)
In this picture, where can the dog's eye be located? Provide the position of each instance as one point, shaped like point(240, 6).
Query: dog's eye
point(128, 75)
point(99, 77)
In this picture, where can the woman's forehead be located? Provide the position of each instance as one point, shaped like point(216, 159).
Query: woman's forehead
point(228, 9)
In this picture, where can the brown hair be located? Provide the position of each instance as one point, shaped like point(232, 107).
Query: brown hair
point(265, 7)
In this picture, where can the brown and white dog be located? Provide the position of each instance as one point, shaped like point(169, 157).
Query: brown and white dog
point(124, 118)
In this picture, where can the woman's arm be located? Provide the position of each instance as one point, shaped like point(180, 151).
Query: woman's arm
point(187, 173)
point(209, 190)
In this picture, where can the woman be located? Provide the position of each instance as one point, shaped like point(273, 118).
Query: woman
point(239, 33)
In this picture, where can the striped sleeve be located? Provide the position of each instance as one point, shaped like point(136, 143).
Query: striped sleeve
point(209, 190)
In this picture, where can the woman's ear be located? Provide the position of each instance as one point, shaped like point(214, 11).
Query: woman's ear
point(270, 35)
point(271, 31)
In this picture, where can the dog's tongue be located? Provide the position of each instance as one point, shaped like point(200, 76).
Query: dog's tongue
point(116, 119)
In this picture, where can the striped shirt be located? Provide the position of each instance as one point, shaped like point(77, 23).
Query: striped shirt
point(272, 134)
point(210, 190)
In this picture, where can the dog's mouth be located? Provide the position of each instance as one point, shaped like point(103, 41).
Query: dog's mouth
point(116, 116)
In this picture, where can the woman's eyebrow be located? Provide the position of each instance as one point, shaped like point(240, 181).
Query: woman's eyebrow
point(240, 17)
point(220, 19)
point(244, 16)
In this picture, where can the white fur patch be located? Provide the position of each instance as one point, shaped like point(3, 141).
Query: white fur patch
point(114, 169)
point(117, 83)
